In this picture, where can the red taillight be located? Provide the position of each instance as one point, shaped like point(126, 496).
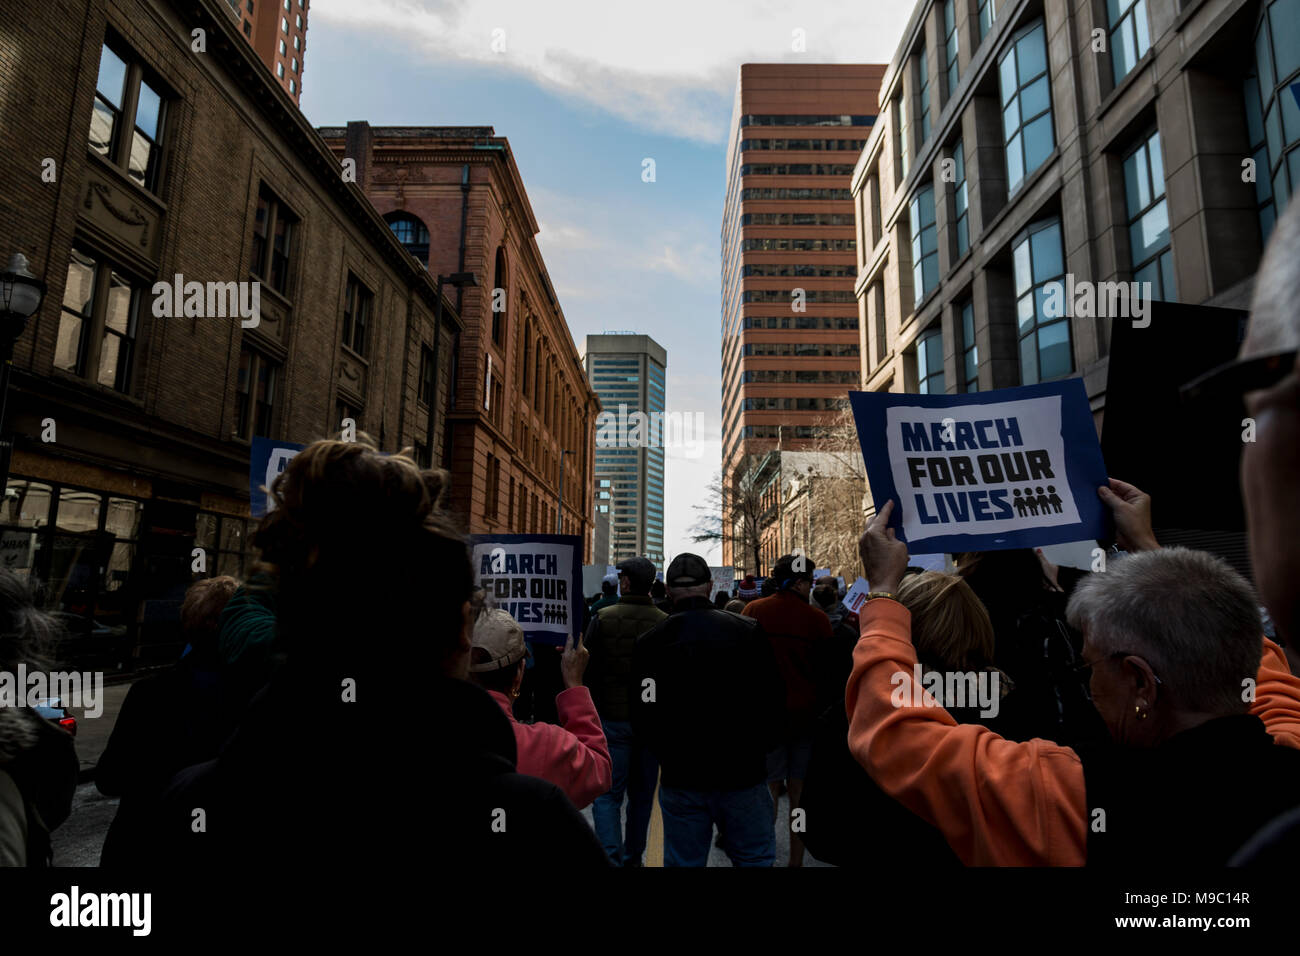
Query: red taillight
point(69, 724)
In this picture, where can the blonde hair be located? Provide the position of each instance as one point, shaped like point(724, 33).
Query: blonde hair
point(950, 626)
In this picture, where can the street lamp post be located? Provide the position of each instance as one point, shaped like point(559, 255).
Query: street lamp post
point(559, 498)
point(20, 296)
point(458, 280)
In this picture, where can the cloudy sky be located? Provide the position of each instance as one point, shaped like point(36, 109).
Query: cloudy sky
point(585, 91)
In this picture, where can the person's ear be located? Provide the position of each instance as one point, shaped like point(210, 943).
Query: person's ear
point(1142, 681)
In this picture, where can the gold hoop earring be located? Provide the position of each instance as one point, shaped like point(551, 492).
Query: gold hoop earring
point(1141, 715)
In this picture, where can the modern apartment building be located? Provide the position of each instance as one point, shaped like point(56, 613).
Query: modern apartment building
point(1023, 143)
point(277, 32)
point(627, 372)
point(790, 340)
point(133, 425)
point(521, 430)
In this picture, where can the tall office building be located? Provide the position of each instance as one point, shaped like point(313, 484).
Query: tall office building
point(1011, 153)
point(627, 373)
point(277, 32)
point(789, 318)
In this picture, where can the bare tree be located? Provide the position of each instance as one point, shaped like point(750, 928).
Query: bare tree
point(736, 514)
point(826, 491)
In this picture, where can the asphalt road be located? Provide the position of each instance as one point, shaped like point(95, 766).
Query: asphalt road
point(78, 841)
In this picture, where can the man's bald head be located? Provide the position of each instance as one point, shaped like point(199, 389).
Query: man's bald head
point(1275, 310)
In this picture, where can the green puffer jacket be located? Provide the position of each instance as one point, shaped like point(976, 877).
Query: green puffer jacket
point(248, 639)
point(610, 639)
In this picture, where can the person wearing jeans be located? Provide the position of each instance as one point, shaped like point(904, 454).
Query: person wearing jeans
point(610, 639)
point(710, 708)
point(635, 773)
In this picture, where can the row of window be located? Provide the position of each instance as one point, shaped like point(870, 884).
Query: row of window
point(797, 322)
point(762, 404)
point(828, 145)
point(797, 219)
point(808, 193)
point(800, 119)
point(785, 376)
point(797, 169)
point(787, 295)
point(825, 349)
point(798, 245)
point(769, 269)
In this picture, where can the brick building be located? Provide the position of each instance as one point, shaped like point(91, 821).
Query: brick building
point(523, 425)
point(133, 159)
point(789, 317)
point(277, 31)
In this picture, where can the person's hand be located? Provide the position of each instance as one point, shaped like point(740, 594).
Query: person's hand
point(1131, 508)
point(884, 557)
point(573, 663)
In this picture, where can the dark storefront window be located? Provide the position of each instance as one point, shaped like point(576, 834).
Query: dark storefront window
point(225, 539)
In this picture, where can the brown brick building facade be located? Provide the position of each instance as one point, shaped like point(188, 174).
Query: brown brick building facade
point(522, 397)
point(789, 316)
point(134, 159)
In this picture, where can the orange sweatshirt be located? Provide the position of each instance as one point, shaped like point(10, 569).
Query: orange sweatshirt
point(997, 802)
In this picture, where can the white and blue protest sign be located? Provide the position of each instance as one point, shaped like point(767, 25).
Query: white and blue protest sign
point(535, 578)
point(267, 458)
point(984, 471)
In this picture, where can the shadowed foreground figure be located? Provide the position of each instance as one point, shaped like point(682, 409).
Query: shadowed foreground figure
point(373, 607)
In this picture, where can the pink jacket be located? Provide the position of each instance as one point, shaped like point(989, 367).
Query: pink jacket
point(573, 756)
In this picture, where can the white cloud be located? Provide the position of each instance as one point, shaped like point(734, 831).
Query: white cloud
point(660, 66)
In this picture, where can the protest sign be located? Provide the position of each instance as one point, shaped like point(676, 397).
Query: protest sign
point(1012, 468)
point(536, 578)
point(724, 579)
point(592, 576)
point(267, 458)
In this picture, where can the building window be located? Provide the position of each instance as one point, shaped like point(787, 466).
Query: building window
point(426, 375)
point(412, 234)
point(297, 43)
point(923, 93)
point(1148, 219)
point(1026, 105)
point(358, 302)
point(1044, 335)
point(986, 14)
point(297, 19)
point(248, 28)
point(1276, 126)
point(121, 82)
point(929, 363)
point(925, 243)
point(250, 6)
point(255, 395)
point(284, 24)
point(499, 280)
point(1130, 36)
point(344, 410)
point(950, 43)
point(272, 241)
point(900, 110)
point(293, 64)
point(225, 539)
point(970, 357)
point(960, 200)
point(283, 49)
point(97, 324)
point(492, 492)
point(279, 70)
point(293, 87)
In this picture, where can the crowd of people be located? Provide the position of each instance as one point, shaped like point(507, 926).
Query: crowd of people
point(1006, 712)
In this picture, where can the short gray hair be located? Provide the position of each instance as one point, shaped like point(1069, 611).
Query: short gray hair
point(1193, 618)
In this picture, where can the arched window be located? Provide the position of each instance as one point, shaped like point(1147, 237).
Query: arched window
point(499, 281)
point(411, 233)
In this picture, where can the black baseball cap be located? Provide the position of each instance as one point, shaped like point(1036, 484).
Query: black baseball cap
point(640, 572)
point(688, 570)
